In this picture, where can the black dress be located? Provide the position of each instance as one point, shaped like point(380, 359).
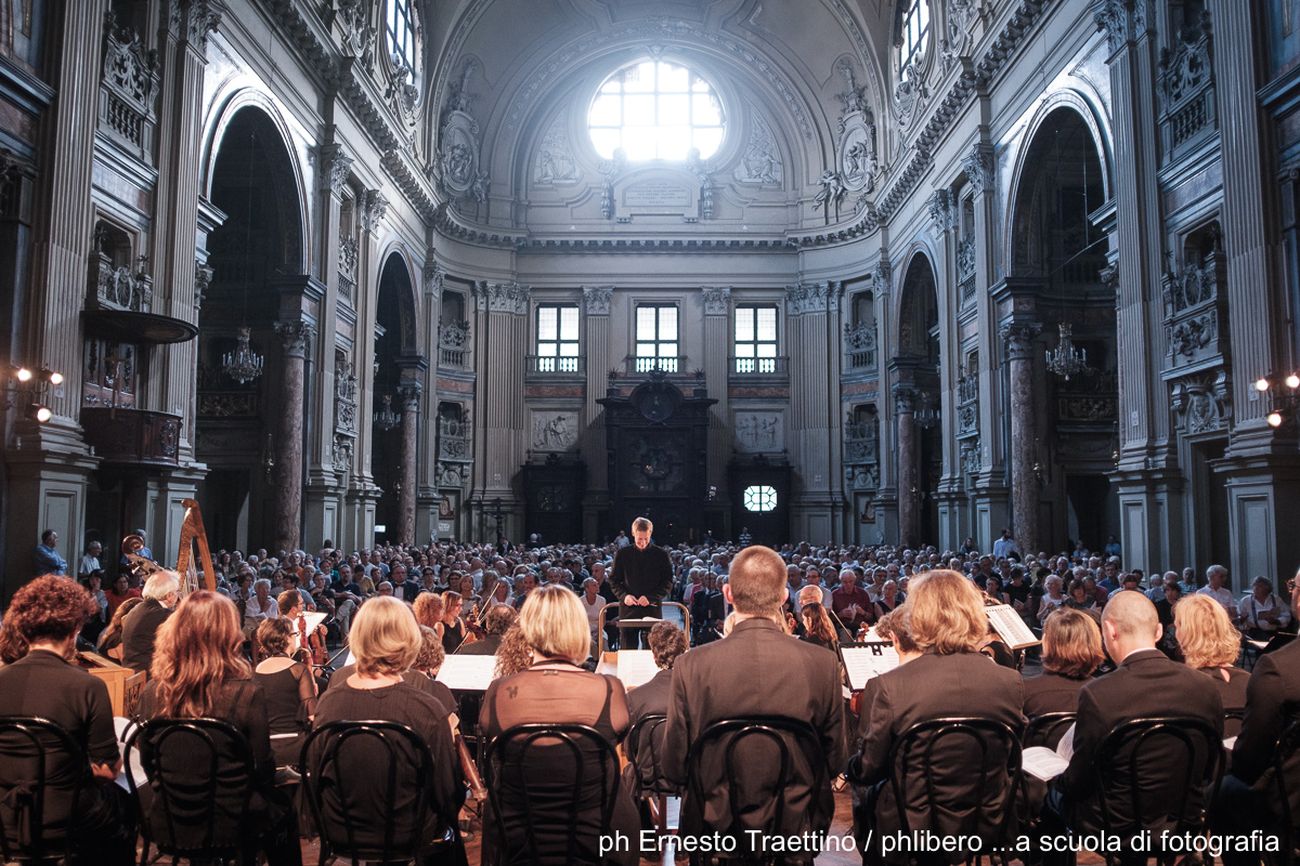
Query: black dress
point(290, 701)
point(242, 704)
point(45, 685)
point(410, 706)
point(556, 691)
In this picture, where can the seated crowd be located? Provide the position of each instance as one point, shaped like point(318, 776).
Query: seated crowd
point(933, 745)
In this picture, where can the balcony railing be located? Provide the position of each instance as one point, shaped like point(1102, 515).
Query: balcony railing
point(742, 367)
point(453, 344)
point(860, 347)
point(642, 366)
point(545, 366)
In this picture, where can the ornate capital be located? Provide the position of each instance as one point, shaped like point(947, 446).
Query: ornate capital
point(333, 166)
point(435, 277)
point(812, 298)
point(372, 207)
point(943, 212)
point(596, 300)
point(1109, 276)
point(717, 300)
point(1019, 339)
point(295, 334)
point(978, 165)
point(1122, 20)
point(409, 392)
point(196, 19)
point(880, 278)
point(202, 279)
point(501, 297)
point(905, 398)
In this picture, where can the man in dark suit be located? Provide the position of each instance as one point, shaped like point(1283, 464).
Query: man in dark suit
point(643, 575)
point(737, 678)
point(1145, 684)
point(1246, 799)
point(140, 626)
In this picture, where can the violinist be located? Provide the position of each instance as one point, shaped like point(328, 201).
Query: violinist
point(289, 687)
point(454, 632)
point(496, 624)
point(312, 645)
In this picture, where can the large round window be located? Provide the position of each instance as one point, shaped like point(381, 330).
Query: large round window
point(656, 110)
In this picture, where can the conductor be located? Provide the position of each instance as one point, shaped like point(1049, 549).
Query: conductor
point(642, 576)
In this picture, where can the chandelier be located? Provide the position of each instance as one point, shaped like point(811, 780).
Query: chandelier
point(243, 364)
point(926, 414)
point(386, 418)
point(1066, 359)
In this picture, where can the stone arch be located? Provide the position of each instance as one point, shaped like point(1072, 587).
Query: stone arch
point(918, 309)
point(249, 105)
point(1060, 107)
point(397, 284)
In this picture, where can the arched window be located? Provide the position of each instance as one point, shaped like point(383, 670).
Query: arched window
point(656, 110)
point(913, 35)
point(400, 28)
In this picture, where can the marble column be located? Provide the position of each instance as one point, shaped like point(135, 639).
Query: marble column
point(909, 511)
point(408, 393)
point(295, 335)
point(1019, 339)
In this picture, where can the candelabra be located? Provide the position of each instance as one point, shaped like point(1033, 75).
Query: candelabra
point(34, 388)
point(1283, 396)
point(1066, 359)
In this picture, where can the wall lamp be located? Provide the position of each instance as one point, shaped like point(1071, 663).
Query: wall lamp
point(1283, 396)
point(33, 386)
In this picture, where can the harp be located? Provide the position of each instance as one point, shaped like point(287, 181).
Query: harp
point(192, 532)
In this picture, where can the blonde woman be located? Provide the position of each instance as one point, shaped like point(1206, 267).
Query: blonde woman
point(555, 689)
point(946, 621)
point(386, 641)
point(1212, 644)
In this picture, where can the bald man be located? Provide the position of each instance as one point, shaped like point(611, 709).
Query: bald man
point(1145, 684)
point(757, 670)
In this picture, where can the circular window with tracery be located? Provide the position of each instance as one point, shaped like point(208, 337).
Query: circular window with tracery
point(760, 497)
point(654, 109)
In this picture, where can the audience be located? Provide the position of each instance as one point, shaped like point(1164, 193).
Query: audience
point(1262, 614)
point(40, 678)
point(1211, 644)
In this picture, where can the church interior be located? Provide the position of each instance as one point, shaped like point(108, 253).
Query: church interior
point(845, 271)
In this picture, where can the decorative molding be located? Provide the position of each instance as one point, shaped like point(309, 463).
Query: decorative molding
point(435, 278)
point(371, 208)
point(1203, 403)
point(717, 300)
point(554, 162)
point(341, 453)
point(345, 396)
point(1122, 21)
point(831, 195)
point(130, 69)
point(880, 278)
point(295, 335)
point(554, 431)
point(349, 258)
point(358, 33)
point(198, 19)
point(905, 399)
point(596, 300)
point(202, 280)
point(509, 297)
point(760, 163)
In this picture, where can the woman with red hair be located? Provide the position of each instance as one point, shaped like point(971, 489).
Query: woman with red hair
point(41, 678)
point(198, 672)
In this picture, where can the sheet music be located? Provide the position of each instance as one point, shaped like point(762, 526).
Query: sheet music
point(1042, 763)
point(861, 663)
point(636, 667)
point(467, 673)
point(1010, 627)
point(314, 619)
point(1229, 743)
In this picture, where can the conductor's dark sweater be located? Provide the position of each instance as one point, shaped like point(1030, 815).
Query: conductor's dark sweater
point(639, 572)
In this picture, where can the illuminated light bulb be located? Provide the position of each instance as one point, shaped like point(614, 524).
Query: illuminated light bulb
point(1293, 381)
point(1274, 419)
point(42, 414)
point(56, 378)
point(23, 374)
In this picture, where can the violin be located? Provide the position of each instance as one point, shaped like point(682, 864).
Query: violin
point(313, 645)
